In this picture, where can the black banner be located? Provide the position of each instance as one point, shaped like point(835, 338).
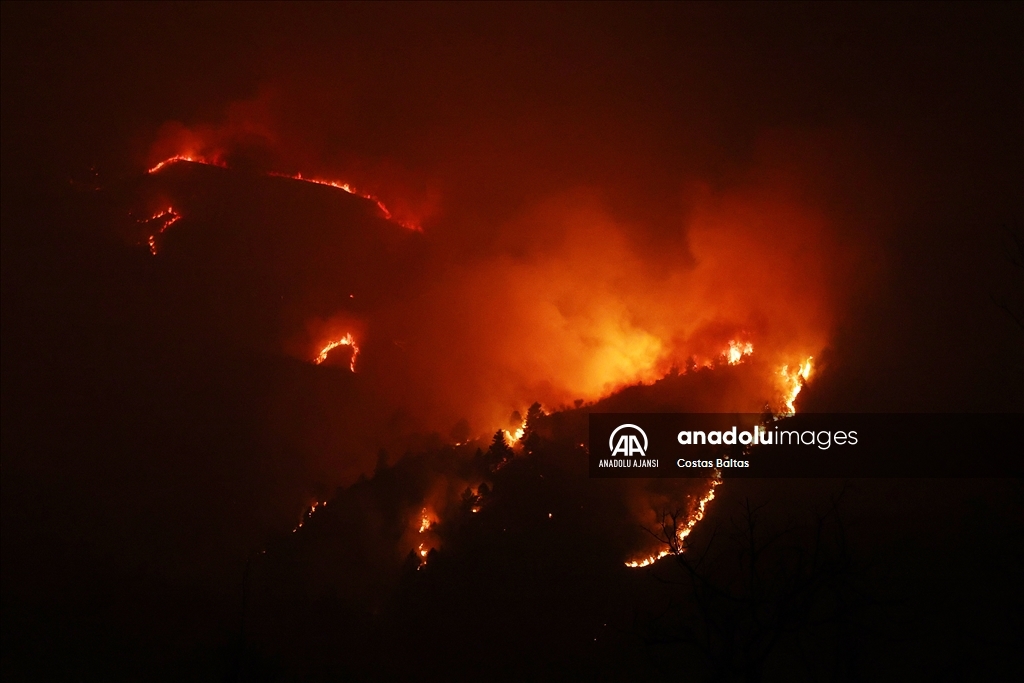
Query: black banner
point(806, 445)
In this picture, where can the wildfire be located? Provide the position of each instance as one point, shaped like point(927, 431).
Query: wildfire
point(309, 513)
point(424, 521)
point(166, 218)
point(793, 381)
point(343, 186)
point(347, 340)
point(422, 550)
point(737, 350)
point(681, 532)
point(513, 437)
point(183, 157)
point(348, 187)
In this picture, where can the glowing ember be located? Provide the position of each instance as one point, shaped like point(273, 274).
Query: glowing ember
point(308, 514)
point(347, 340)
point(648, 561)
point(737, 350)
point(422, 550)
point(683, 531)
point(793, 381)
point(165, 219)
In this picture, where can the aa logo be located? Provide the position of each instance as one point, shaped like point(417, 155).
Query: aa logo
point(627, 444)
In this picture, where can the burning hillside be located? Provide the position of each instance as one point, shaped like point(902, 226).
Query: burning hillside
point(428, 329)
point(436, 502)
point(624, 328)
point(313, 315)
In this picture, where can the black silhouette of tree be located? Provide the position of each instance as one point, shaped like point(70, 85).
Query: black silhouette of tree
point(500, 452)
point(533, 418)
point(749, 593)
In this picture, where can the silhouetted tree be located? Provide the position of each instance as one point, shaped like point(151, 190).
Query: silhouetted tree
point(533, 418)
point(750, 592)
point(499, 453)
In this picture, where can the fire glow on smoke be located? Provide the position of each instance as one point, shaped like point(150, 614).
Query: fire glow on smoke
point(563, 339)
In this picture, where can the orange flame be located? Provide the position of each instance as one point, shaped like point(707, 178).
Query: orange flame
point(183, 157)
point(422, 550)
point(424, 521)
point(348, 187)
point(167, 217)
point(683, 531)
point(308, 514)
point(737, 350)
point(513, 437)
point(343, 186)
point(793, 382)
point(347, 340)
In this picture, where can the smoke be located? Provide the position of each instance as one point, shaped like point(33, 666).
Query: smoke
point(573, 244)
point(606, 193)
point(570, 307)
point(568, 298)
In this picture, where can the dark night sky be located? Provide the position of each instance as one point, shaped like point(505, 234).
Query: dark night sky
point(842, 179)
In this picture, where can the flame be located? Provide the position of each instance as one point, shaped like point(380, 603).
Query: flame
point(347, 340)
point(737, 350)
point(348, 187)
point(185, 157)
point(422, 550)
point(793, 382)
point(167, 217)
point(683, 531)
point(307, 515)
point(344, 186)
point(424, 521)
point(513, 437)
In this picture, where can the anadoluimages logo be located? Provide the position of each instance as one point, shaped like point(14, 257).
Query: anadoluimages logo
point(827, 445)
point(627, 444)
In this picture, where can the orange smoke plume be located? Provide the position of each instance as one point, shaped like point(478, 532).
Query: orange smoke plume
point(578, 310)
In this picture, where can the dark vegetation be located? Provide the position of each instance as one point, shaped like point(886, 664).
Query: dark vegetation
point(158, 496)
